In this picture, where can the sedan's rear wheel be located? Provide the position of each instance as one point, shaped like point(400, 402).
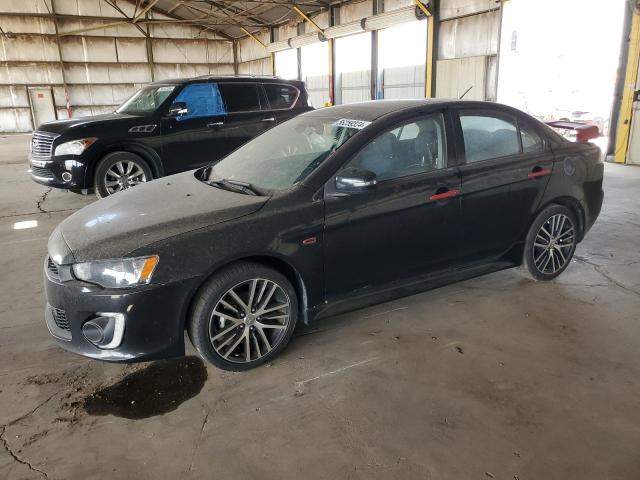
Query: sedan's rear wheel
point(243, 316)
point(550, 243)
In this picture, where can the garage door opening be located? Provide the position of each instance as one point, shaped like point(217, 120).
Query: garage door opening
point(555, 69)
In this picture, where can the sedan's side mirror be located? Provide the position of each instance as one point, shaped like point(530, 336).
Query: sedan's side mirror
point(178, 109)
point(355, 180)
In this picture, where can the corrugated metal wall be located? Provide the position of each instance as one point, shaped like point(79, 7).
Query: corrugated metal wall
point(100, 67)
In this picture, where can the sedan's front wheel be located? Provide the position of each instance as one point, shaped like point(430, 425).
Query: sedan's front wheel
point(243, 316)
point(550, 243)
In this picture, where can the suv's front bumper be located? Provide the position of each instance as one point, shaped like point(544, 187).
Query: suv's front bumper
point(58, 173)
point(153, 327)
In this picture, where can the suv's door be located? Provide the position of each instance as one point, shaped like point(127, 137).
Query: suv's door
point(248, 114)
point(282, 99)
point(504, 175)
point(193, 139)
point(406, 225)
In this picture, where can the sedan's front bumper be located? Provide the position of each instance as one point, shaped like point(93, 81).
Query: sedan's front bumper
point(153, 314)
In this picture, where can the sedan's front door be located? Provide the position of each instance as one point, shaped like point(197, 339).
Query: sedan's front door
point(506, 170)
point(405, 226)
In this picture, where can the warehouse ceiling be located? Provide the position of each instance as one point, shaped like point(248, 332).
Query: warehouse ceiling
point(231, 17)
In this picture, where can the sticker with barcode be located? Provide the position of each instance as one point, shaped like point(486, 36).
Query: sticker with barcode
point(349, 123)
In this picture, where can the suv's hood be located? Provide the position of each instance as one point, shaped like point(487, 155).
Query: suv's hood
point(118, 225)
point(61, 126)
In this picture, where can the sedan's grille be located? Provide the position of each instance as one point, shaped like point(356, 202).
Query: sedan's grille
point(41, 143)
point(41, 172)
point(60, 317)
point(53, 268)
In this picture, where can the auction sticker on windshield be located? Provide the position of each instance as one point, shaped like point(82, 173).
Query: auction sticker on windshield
point(349, 123)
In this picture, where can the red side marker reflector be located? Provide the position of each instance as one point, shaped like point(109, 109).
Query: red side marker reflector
point(447, 194)
point(545, 172)
point(309, 241)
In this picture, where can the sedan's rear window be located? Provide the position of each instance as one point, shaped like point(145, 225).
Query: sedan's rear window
point(488, 136)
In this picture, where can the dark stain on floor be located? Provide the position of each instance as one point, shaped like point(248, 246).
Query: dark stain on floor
point(155, 390)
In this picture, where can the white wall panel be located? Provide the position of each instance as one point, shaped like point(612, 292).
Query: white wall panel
point(31, 73)
point(249, 49)
point(458, 8)
point(355, 86)
point(255, 67)
point(13, 24)
point(13, 96)
point(469, 36)
point(390, 5)
point(28, 48)
point(26, 6)
point(404, 82)
point(355, 11)
point(15, 120)
point(455, 76)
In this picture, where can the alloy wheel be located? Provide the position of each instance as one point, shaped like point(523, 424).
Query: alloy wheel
point(249, 320)
point(122, 175)
point(553, 244)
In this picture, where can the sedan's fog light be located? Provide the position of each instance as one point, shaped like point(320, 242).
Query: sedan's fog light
point(105, 331)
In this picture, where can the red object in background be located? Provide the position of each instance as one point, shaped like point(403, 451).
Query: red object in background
point(584, 131)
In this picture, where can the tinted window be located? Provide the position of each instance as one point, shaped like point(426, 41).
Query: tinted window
point(281, 96)
point(202, 99)
point(531, 141)
point(489, 136)
point(240, 97)
point(414, 147)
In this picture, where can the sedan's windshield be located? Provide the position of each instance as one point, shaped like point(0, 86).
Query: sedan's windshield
point(146, 100)
point(286, 154)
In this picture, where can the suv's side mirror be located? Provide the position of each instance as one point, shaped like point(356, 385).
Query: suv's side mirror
point(177, 109)
point(355, 180)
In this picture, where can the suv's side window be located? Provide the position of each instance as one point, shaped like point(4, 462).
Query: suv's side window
point(489, 135)
point(414, 147)
point(281, 97)
point(240, 97)
point(202, 99)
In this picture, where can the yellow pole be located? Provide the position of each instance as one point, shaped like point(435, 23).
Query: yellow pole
point(626, 107)
point(303, 15)
point(428, 74)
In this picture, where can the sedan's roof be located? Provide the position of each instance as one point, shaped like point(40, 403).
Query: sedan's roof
point(374, 109)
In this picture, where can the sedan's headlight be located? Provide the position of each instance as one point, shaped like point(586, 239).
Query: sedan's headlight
point(74, 147)
point(119, 273)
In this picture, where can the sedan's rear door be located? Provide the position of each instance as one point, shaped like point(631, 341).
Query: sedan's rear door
point(505, 172)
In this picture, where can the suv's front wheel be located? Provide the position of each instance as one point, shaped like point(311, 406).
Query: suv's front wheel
point(119, 171)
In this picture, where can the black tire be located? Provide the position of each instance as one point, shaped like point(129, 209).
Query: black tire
point(110, 161)
point(549, 261)
point(203, 327)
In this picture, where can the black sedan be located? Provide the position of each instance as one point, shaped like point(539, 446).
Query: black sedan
point(333, 210)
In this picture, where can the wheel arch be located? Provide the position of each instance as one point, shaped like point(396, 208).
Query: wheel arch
point(268, 260)
point(147, 154)
point(572, 204)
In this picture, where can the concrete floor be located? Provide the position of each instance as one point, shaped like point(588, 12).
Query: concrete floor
point(497, 377)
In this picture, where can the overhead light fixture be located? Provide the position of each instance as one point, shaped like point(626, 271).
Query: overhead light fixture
point(308, 39)
point(391, 19)
point(344, 30)
point(278, 46)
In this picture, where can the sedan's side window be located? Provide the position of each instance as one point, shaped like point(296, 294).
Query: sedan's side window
point(414, 147)
point(531, 140)
point(202, 99)
point(489, 136)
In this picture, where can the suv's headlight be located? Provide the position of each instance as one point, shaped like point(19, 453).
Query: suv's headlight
point(119, 273)
point(74, 147)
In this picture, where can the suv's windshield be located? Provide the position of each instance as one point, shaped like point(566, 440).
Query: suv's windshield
point(146, 100)
point(285, 155)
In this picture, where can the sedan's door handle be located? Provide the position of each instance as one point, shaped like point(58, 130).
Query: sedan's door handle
point(269, 119)
point(215, 124)
point(538, 171)
point(443, 193)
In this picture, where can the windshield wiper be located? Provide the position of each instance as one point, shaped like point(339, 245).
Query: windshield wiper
point(236, 186)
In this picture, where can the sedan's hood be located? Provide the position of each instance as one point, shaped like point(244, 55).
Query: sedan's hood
point(61, 126)
point(118, 225)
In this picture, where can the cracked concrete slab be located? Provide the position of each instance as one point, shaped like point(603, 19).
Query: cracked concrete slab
point(496, 374)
